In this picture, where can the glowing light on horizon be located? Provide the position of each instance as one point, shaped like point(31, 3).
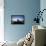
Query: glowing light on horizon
point(15, 19)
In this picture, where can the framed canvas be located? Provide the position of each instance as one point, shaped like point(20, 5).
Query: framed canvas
point(17, 19)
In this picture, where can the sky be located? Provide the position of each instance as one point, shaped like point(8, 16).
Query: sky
point(15, 18)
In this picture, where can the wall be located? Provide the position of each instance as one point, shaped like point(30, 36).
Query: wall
point(43, 6)
point(19, 7)
point(1, 20)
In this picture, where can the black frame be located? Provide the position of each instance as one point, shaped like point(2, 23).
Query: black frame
point(22, 17)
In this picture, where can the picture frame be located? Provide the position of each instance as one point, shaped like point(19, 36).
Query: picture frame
point(17, 19)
